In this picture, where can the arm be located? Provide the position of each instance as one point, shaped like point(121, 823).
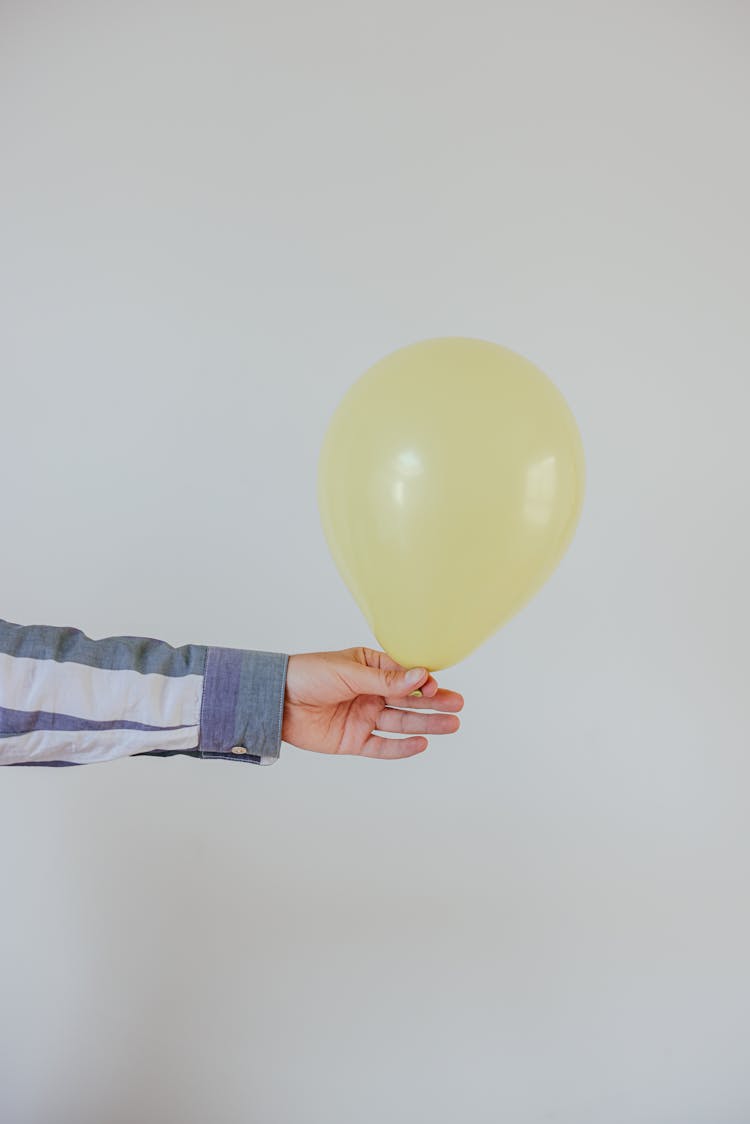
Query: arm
point(66, 699)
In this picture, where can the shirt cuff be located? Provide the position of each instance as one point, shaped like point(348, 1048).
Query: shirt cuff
point(243, 704)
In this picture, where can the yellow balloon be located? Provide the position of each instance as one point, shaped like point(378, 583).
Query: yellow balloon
point(450, 484)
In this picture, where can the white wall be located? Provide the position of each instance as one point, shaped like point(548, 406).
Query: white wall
point(214, 216)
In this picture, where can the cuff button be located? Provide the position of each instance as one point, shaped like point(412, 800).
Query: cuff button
point(238, 749)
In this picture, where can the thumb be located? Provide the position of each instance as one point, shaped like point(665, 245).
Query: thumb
point(390, 681)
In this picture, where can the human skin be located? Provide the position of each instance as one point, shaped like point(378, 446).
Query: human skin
point(334, 701)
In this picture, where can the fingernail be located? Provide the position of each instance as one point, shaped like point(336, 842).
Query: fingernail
point(414, 675)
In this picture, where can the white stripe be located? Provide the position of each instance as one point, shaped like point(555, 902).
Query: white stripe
point(88, 746)
point(103, 695)
point(99, 693)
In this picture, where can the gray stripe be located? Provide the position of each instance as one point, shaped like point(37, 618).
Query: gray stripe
point(15, 722)
point(243, 702)
point(142, 753)
point(39, 764)
point(221, 684)
point(261, 699)
point(115, 653)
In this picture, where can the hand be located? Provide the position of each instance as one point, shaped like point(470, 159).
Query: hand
point(334, 700)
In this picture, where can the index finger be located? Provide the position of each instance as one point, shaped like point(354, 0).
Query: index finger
point(375, 657)
point(441, 700)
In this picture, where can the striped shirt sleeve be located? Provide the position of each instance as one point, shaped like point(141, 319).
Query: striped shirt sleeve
point(66, 699)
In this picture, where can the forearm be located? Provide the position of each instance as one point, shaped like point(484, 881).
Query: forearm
point(66, 699)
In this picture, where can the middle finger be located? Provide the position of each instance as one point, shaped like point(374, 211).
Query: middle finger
point(393, 721)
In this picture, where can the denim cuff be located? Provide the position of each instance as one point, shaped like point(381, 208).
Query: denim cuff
point(243, 704)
